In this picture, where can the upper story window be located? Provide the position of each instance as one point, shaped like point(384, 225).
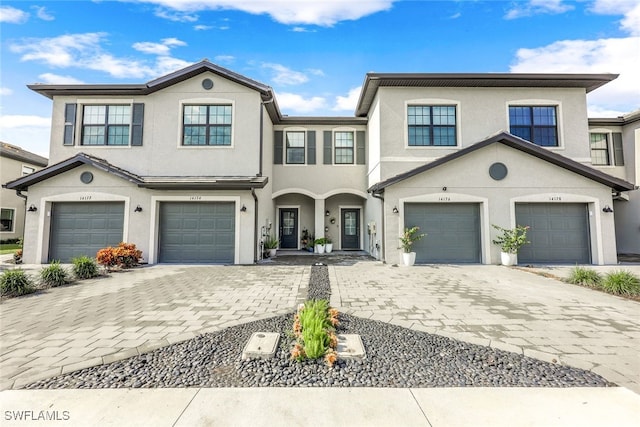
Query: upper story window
point(26, 170)
point(106, 124)
point(431, 125)
point(7, 219)
point(343, 148)
point(295, 148)
point(207, 125)
point(599, 149)
point(535, 124)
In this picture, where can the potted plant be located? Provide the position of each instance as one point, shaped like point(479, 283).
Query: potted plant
point(320, 245)
point(328, 246)
point(407, 240)
point(271, 245)
point(510, 241)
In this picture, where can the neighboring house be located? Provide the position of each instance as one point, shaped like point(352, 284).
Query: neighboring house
point(14, 163)
point(615, 149)
point(200, 165)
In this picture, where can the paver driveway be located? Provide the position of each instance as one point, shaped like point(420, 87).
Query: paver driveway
point(106, 319)
point(503, 307)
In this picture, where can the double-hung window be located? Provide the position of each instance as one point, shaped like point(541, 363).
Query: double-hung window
point(535, 124)
point(6, 219)
point(599, 149)
point(431, 125)
point(343, 148)
point(295, 148)
point(26, 170)
point(106, 124)
point(206, 125)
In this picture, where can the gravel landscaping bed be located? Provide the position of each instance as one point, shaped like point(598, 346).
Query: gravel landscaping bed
point(396, 357)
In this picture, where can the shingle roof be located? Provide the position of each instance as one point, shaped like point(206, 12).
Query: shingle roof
point(17, 153)
point(519, 144)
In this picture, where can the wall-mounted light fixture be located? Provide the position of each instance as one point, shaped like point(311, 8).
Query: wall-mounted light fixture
point(607, 209)
point(243, 208)
point(444, 188)
point(32, 208)
point(138, 209)
point(326, 213)
point(395, 210)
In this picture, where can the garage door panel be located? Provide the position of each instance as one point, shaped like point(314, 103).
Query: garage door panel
point(559, 233)
point(84, 228)
point(453, 231)
point(197, 232)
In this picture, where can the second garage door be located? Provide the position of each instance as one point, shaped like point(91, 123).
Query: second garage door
point(197, 232)
point(559, 233)
point(453, 231)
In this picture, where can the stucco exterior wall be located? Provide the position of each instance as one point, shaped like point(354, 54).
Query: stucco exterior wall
point(529, 180)
point(162, 152)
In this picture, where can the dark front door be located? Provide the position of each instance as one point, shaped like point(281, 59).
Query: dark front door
point(350, 229)
point(289, 228)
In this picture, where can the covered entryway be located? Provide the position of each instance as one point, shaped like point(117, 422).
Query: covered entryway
point(79, 229)
point(453, 231)
point(197, 232)
point(559, 233)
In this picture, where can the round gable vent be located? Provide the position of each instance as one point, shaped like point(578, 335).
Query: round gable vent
point(498, 171)
point(86, 177)
point(207, 84)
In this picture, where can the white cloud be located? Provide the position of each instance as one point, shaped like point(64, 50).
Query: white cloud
point(302, 30)
point(286, 76)
point(51, 78)
point(202, 27)
point(163, 48)
point(61, 51)
point(290, 12)
point(20, 121)
point(612, 55)
point(537, 7)
point(228, 59)
point(5, 91)
point(41, 12)
point(11, 15)
point(175, 16)
point(297, 104)
point(349, 102)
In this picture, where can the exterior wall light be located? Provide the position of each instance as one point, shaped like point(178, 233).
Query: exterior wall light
point(138, 209)
point(243, 208)
point(32, 208)
point(395, 210)
point(326, 213)
point(607, 209)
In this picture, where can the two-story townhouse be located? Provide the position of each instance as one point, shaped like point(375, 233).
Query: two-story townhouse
point(456, 153)
point(615, 149)
point(15, 162)
point(200, 165)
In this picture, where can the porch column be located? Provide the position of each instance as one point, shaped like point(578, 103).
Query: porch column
point(319, 219)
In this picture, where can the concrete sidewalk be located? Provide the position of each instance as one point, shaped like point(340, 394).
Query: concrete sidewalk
point(334, 407)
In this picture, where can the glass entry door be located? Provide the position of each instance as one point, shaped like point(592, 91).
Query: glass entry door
point(350, 229)
point(289, 228)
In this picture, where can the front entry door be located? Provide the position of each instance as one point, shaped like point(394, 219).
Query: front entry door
point(289, 228)
point(350, 229)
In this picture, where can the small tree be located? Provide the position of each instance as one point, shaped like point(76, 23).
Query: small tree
point(511, 239)
point(409, 237)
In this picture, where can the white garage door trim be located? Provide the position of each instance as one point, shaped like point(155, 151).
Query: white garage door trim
point(595, 216)
point(44, 222)
point(154, 224)
point(446, 197)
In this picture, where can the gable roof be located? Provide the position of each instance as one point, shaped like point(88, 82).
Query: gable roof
point(16, 153)
point(373, 81)
point(518, 144)
point(266, 92)
point(183, 183)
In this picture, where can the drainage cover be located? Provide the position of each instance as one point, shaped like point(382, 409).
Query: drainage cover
point(261, 345)
point(350, 347)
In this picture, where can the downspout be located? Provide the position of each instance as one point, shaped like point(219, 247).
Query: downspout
point(24, 217)
point(261, 137)
point(255, 226)
point(384, 246)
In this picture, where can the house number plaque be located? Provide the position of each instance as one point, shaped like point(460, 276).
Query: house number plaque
point(555, 198)
point(195, 197)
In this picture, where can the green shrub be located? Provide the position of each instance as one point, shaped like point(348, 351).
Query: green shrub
point(15, 283)
point(584, 276)
point(54, 275)
point(85, 267)
point(621, 283)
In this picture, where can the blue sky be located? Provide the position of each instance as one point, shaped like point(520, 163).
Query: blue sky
point(315, 54)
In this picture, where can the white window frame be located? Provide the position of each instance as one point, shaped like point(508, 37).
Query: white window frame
point(81, 103)
point(333, 142)
point(205, 101)
point(13, 220)
point(284, 146)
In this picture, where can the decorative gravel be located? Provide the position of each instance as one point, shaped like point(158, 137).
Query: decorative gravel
point(396, 357)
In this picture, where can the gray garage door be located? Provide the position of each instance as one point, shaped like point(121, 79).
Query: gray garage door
point(453, 231)
point(84, 228)
point(197, 232)
point(559, 233)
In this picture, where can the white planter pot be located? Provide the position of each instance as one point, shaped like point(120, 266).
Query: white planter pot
point(272, 253)
point(328, 248)
point(508, 259)
point(408, 258)
point(320, 249)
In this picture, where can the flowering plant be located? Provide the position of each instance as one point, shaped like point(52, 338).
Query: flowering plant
point(511, 239)
point(410, 236)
